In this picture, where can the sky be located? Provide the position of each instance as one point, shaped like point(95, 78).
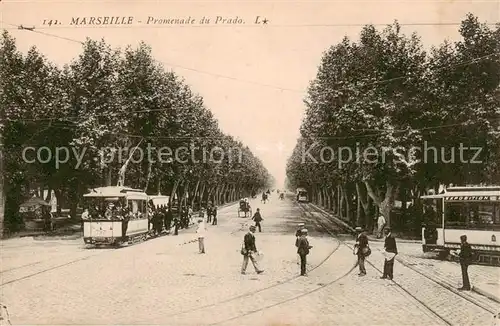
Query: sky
point(253, 77)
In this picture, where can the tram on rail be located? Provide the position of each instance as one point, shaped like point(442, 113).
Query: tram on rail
point(470, 211)
point(302, 196)
point(116, 215)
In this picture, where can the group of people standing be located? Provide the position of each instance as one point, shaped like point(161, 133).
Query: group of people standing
point(362, 250)
point(162, 218)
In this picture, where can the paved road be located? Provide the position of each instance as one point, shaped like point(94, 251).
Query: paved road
point(165, 281)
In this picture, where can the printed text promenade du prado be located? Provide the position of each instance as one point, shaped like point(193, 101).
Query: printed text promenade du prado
point(157, 20)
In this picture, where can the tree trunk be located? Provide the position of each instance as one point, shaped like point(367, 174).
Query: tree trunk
point(158, 185)
point(196, 192)
point(358, 208)
point(221, 193)
point(179, 195)
point(341, 202)
point(386, 204)
point(348, 201)
point(48, 198)
point(109, 177)
point(73, 196)
point(334, 201)
point(148, 177)
point(186, 194)
point(328, 199)
point(365, 201)
point(172, 194)
point(214, 193)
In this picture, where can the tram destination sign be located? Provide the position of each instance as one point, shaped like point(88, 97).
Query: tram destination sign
point(472, 198)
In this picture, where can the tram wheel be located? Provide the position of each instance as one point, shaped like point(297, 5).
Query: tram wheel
point(444, 254)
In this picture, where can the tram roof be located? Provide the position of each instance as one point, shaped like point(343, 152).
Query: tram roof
point(465, 192)
point(113, 192)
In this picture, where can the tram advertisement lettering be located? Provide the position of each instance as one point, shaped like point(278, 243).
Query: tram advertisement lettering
point(472, 198)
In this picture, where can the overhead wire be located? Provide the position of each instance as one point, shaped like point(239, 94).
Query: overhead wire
point(65, 119)
point(473, 61)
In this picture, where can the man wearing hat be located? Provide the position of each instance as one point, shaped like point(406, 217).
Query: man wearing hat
point(303, 250)
point(248, 251)
point(258, 218)
point(201, 235)
point(391, 250)
point(465, 256)
point(298, 233)
point(360, 249)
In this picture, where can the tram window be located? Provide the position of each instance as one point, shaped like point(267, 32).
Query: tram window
point(486, 213)
point(133, 206)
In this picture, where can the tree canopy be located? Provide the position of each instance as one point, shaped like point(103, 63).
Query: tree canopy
point(403, 114)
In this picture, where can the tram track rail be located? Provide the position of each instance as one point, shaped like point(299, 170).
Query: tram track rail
point(472, 301)
point(298, 296)
point(328, 229)
point(46, 269)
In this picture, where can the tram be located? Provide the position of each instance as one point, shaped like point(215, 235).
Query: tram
point(302, 195)
point(470, 211)
point(116, 215)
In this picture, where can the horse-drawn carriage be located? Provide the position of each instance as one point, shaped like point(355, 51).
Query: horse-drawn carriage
point(245, 208)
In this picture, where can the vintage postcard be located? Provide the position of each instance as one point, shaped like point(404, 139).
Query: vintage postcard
point(233, 162)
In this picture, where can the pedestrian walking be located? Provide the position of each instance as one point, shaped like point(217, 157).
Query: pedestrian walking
point(362, 250)
point(214, 214)
point(303, 250)
point(380, 223)
point(465, 257)
point(249, 250)
point(391, 251)
point(201, 235)
point(257, 218)
point(298, 233)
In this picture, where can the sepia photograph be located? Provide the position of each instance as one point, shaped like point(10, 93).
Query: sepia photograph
point(250, 162)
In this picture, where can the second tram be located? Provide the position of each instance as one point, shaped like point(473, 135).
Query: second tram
point(302, 196)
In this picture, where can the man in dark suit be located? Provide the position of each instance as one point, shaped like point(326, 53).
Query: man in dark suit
point(391, 250)
point(303, 248)
point(257, 218)
point(465, 260)
point(361, 244)
point(248, 251)
point(214, 215)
